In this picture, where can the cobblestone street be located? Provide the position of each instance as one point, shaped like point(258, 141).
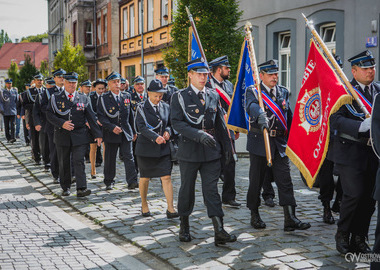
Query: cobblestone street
point(119, 211)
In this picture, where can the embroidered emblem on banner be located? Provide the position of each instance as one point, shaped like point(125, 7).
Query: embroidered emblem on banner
point(310, 110)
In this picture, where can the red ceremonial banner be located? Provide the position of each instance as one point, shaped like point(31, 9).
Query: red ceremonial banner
point(321, 95)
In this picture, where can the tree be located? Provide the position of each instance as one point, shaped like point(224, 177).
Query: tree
point(71, 58)
point(27, 72)
point(216, 22)
point(4, 38)
point(36, 38)
point(14, 75)
point(44, 68)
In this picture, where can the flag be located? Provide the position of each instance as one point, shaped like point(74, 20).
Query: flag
point(321, 94)
point(238, 119)
point(194, 51)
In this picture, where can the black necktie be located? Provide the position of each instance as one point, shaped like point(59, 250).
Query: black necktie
point(118, 100)
point(367, 93)
point(156, 109)
point(200, 96)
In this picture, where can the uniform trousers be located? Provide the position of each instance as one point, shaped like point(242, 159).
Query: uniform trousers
point(26, 132)
point(18, 123)
point(376, 245)
point(210, 172)
point(34, 139)
point(357, 204)
point(44, 147)
point(77, 153)
point(9, 126)
point(110, 153)
point(281, 175)
point(228, 170)
point(268, 191)
point(54, 167)
point(326, 182)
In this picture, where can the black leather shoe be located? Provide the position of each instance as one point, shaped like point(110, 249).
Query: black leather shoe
point(342, 242)
point(327, 215)
point(110, 186)
point(221, 236)
point(12, 140)
point(171, 215)
point(256, 220)
point(358, 244)
point(291, 222)
point(184, 229)
point(269, 202)
point(93, 176)
point(147, 214)
point(27, 144)
point(232, 203)
point(133, 186)
point(37, 163)
point(56, 180)
point(83, 192)
point(66, 192)
point(98, 164)
point(336, 206)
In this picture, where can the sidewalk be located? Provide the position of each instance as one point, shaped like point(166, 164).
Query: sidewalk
point(119, 211)
point(35, 234)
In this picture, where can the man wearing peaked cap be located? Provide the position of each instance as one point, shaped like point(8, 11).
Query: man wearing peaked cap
point(278, 100)
point(8, 108)
point(116, 117)
point(21, 115)
point(138, 94)
point(162, 74)
point(85, 87)
point(69, 112)
point(58, 78)
point(220, 69)
point(198, 118)
point(355, 161)
point(124, 84)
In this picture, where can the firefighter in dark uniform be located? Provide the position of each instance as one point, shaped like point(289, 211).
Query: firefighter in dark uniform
point(39, 118)
point(162, 74)
point(27, 100)
point(8, 108)
point(21, 114)
point(278, 139)
point(220, 68)
point(355, 160)
point(124, 85)
point(115, 114)
point(57, 82)
point(198, 118)
point(85, 89)
point(138, 95)
point(69, 112)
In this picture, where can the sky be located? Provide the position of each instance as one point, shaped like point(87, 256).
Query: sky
point(21, 18)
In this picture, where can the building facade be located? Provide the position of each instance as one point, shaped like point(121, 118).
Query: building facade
point(152, 27)
point(56, 27)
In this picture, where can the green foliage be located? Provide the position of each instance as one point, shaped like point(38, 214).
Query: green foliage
point(36, 38)
point(216, 22)
point(26, 72)
point(71, 58)
point(4, 38)
point(13, 74)
point(44, 68)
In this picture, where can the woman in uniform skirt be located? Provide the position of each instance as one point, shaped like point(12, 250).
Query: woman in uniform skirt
point(152, 147)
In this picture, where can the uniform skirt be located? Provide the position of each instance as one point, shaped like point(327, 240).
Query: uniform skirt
point(150, 167)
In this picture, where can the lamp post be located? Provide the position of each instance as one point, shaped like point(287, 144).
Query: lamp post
point(34, 56)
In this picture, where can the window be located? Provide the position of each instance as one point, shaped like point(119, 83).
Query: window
point(131, 20)
point(75, 33)
point(130, 73)
point(284, 59)
point(140, 17)
point(99, 31)
point(89, 34)
point(327, 33)
point(105, 28)
point(150, 15)
point(164, 12)
point(125, 23)
point(149, 72)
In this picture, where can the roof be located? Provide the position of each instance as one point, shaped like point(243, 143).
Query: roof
point(16, 52)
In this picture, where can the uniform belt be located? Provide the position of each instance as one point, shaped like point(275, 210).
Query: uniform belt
point(366, 141)
point(209, 131)
point(272, 133)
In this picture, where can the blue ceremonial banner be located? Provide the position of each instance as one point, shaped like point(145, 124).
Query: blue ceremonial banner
point(195, 51)
point(238, 119)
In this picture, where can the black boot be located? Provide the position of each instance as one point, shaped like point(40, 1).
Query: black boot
point(358, 244)
point(291, 222)
point(336, 206)
point(342, 242)
point(184, 229)
point(327, 215)
point(256, 220)
point(221, 236)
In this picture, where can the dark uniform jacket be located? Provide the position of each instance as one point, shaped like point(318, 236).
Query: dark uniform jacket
point(170, 90)
point(94, 101)
point(150, 126)
point(39, 117)
point(60, 109)
point(228, 87)
point(375, 135)
point(8, 101)
point(352, 152)
point(27, 99)
point(45, 98)
point(135, 99)
point(110, 116)
point(255, 141)
point(186, 110)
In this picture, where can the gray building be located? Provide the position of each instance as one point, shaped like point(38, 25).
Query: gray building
point(56, 26)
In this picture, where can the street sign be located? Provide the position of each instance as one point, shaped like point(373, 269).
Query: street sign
point(371, 42)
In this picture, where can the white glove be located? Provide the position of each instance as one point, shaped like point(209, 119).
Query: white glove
point(365, 125)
